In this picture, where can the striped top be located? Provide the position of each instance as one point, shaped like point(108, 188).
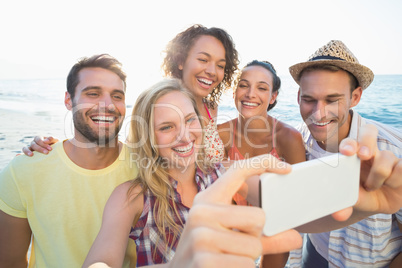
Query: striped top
point(151, 249)
point(372, 242)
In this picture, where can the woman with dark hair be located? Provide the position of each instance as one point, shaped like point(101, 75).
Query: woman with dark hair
point(205, 59)
point(254, 132)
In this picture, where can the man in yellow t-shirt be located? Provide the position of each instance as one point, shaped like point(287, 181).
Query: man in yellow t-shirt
point(58, 198)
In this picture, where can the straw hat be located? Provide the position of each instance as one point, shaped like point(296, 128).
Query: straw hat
point(336, 53)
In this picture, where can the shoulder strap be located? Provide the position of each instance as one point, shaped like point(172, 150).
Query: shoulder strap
point(206, 108)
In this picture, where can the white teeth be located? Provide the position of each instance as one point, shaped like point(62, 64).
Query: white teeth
point(205, 81)
point(249, 103)
point(108, 119)
point(321, 124)
point(184, 149)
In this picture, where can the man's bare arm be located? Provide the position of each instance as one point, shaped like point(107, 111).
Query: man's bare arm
point(15, 237)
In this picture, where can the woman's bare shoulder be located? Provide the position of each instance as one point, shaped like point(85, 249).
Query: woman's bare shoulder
point(286, 128)
point(127, 194)
point(226, 129)
point(228, 125)
point(287, 134)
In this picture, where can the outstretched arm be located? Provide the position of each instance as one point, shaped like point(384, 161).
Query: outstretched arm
point(40, 145)
point(219, 234)
point(120, 211)
point(15, 236)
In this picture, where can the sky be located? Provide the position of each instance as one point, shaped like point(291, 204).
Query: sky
point(43, 39)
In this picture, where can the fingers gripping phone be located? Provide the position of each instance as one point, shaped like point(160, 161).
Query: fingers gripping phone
point(313, 189)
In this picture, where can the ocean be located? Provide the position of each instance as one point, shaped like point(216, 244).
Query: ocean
point(36, 107)
point(381, 101)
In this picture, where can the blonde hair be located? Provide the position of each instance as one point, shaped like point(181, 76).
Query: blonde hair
point(154, 177)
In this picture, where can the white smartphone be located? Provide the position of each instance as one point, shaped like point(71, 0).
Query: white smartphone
point(313, 189)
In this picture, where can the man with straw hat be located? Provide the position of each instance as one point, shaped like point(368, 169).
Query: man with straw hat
point(331, 83)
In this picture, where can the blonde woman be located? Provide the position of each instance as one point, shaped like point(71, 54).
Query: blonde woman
point(254, 132)
point(166, 136)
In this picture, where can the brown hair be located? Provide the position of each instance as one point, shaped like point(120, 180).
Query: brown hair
point(104, 61)
point(331, 68)
point(177, 52)
point(276, 80)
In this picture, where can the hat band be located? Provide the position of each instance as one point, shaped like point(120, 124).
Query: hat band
point(325, 58)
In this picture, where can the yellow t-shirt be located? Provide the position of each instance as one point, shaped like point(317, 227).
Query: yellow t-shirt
point(63, 202)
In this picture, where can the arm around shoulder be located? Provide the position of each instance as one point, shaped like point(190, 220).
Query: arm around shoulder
point(120, 211)
point(39, 144)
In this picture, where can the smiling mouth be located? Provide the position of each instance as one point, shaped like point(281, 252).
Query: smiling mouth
point(251, 104)
point(103, 119)
point(184, 149)
point(321, 124)
point(205, 81)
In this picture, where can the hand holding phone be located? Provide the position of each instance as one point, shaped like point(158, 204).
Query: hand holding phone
point(313, 189)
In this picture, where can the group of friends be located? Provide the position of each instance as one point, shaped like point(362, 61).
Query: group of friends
point(172, 196)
